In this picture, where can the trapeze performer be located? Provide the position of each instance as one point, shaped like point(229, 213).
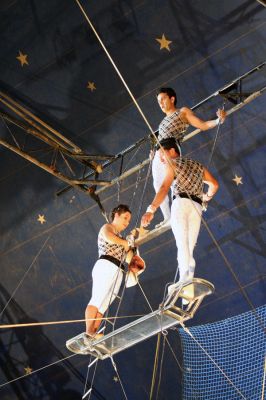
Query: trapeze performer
point(175, 124)
point(108, 271)
point(186, 178)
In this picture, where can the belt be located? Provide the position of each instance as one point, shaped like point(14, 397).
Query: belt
point(189, 196)
point(113, 260)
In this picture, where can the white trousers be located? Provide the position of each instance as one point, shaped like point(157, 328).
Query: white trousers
point(106, 282)
point(158, 174)
point(185, 224)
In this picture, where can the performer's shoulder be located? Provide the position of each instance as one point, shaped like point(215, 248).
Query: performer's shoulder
point(184, 110)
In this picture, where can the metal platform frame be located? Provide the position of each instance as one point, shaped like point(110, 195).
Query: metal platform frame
point(167, 316)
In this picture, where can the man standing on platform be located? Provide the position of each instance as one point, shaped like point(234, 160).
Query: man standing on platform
point(175, 124)
point(186, 178)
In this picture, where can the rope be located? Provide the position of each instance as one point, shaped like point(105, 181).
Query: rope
point(143, 192)
point(155, 365)
point(115, 67)
point(91, 383)
point(119, 304)
point(25, 274)
point(138, 180)
point(161, 365)
point(120, 381)
point(215, 139)
point(145, 297)
point(10, 132)
point(227, 263)
point(86, 382)
point(37, 370)
point(120, 75)
point(10, 326)
point(173, 353)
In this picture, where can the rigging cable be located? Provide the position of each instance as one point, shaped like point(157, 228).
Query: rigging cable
point(215, 139)
point(25, 274)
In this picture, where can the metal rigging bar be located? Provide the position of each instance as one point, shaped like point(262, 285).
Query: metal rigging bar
point(131, 171)
point(79, 184)
point(224, 91)
point(167, 316)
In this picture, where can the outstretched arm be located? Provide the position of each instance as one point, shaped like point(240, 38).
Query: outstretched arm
point(189, 117)
point(212, 184)
point(159, 197)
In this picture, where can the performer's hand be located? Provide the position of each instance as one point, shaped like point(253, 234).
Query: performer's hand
point(206, 198)
point(221, 114)
point(131, 240)
point(146, 219)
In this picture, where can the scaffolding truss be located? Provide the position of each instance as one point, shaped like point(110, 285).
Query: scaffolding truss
point(82, 179)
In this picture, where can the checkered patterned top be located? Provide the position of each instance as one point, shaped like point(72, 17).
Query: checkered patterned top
point(172, 126)
point(110, 249)
point(189, 177)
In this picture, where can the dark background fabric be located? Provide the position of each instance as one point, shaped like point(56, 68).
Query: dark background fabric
point(213, 42)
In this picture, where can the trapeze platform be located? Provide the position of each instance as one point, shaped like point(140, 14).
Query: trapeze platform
point(146, 235)
point(167, 316)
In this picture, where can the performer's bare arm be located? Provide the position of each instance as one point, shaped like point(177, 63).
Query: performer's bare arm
point(160, 195)
point(189, 117)
point(212, 184)
point(109, 234)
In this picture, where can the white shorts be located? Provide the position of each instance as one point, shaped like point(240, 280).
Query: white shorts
point(106, 282)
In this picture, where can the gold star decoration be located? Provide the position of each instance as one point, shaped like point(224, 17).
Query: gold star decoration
point(41, 219)
point(164, 43)
point(22, 58)
point(28, 370)
point(91, 86)
point(238, 180)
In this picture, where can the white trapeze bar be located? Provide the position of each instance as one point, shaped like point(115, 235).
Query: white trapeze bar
point(167, 316)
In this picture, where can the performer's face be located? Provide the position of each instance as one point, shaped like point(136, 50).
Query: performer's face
point(165, 102)
point(122, 221)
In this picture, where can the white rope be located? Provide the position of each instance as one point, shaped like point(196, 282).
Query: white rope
point(25, 325)
point(24, 276)
point(121, 77)
point(115, 67)
point(37, 370)
point(120, 381)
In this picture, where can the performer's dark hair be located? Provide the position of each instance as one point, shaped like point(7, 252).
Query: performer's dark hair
point(170, 143)
point(169, 91)
point(122, 208)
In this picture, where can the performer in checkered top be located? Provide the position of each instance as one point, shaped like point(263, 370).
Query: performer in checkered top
point(174, 125)
point(187, 178)
point(107, 273)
